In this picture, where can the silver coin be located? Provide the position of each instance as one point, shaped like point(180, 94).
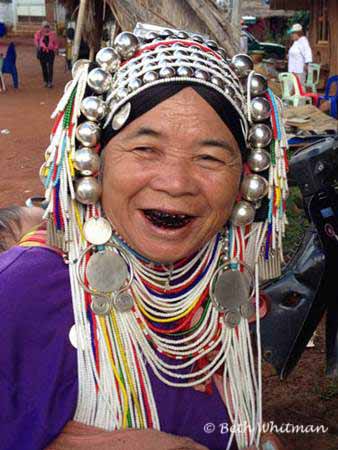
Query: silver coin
point(232, 319)
point(100, 306)
point(106, 271)
point(247, 310)
point(231, 289)
point(97, 230)
point(123, 302)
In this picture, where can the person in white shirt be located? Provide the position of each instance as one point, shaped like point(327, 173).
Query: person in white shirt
point(300, 53)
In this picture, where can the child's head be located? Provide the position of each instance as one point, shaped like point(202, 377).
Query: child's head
point(15, 221)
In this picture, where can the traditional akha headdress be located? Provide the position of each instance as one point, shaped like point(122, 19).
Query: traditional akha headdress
point(128, 310)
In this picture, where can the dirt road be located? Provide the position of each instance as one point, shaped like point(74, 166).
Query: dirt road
point(25, 112)
point(306, 398)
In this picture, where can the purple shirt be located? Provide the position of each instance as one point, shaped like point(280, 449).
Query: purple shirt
point(38, 364)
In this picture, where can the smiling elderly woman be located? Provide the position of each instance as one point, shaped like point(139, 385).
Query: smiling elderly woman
point(132, 317)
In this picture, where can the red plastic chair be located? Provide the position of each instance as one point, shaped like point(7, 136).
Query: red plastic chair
point(314, 97)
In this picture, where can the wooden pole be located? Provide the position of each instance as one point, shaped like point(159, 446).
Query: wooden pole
point(78, 30)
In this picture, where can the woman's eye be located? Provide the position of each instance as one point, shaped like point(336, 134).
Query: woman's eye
point(146, 150)
point(209, 158)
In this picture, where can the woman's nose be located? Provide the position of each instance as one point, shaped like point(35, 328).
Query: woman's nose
point(176, 178)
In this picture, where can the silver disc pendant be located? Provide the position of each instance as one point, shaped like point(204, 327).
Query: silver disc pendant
point(97, 230)
point(106, 271)
point(100, 306)
point(247, 310)
point(232, 319)
point(121, 116)
point(123, 302)
point(232, 290)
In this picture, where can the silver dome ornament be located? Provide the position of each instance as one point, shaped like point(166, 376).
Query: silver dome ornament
point(121, 116)
point(121, 94)
point(134, 84)
point(212, 44)
point(126, 44)
point(222, 53)
point(167, 72)
point(149, 77)
point(259, 160)
point(88, 133)
point(151, 36)
point(87, 190)
point(79, 65)
point(242, 64)
point(258, 84)
point(180, 53)
point(201, 75)
point(108, 59)
point(182, 35)
point(242, 214)
point(260, 135)
point(260, 109)
point(99, 80)
point(93, 108)
point(254, 187)
point(229, 90)
point(184, 71)
point(86, 161)
point(197, 38)
point(217, 81)
point(165, 33)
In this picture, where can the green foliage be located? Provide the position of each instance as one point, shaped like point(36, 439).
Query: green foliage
point(297, 222)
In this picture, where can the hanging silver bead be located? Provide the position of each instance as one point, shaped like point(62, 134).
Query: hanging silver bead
point(99, 80)
point(93, 108)
point(260, 135)
point(134, 84)
point(167, 72)
point(149, 77)
point(258, 84)
point(254, 187)
point(86, 161)
point(78, 65)
point(260, 109)
point(259, 160)
point(126, 44)
point(88, 133)
point(242, 214)
point(184, 71)
point(242, 64)
point(108, 59)
point(201, 75)
point(87, 190)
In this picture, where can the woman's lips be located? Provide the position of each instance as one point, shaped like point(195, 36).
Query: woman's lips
point(167, 220)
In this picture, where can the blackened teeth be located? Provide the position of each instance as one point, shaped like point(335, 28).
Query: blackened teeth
point(166, 220)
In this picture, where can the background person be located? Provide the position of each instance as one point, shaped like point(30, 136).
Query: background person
point(46, 43)
point(300, 53)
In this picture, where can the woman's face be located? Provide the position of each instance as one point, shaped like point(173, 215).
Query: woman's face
point(171, 178)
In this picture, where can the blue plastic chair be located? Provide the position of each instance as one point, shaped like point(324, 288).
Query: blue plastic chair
point(9, 64)
point(332, 81)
